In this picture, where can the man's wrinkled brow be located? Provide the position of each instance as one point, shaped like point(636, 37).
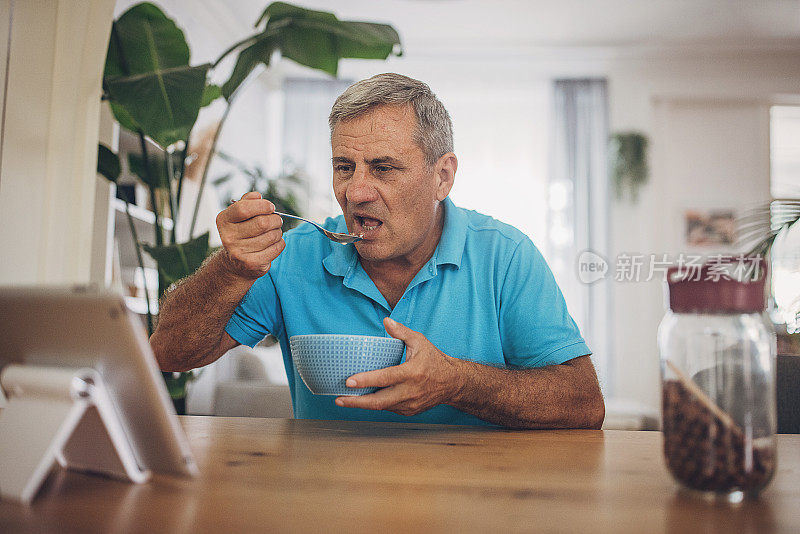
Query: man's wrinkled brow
point(374, 161)
point(385, 159)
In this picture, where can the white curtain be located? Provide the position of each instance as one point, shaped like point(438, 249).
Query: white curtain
point(578, 204)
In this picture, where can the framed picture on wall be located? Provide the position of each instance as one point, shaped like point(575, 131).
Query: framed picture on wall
point(709, 227)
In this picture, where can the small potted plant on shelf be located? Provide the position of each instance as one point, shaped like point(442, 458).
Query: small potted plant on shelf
point(154, 92)
point(628, 163)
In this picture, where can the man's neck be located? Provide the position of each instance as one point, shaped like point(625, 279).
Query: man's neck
point(392, 277)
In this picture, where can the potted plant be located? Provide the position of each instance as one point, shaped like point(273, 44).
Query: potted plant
point(154, 92)
point(628, 160)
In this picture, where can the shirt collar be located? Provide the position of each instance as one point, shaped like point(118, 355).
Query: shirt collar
point(454, 235)
point(343, 259)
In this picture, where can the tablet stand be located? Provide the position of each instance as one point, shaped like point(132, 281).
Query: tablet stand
point(59, 414)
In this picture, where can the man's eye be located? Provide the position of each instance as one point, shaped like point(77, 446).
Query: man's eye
point(343, 168)
point(383, 168)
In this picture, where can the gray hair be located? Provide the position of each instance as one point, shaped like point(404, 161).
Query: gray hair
point(434, 133)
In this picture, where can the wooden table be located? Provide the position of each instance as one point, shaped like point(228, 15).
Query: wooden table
point(270, 475)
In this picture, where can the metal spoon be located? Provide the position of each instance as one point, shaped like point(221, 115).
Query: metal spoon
point(342, 239)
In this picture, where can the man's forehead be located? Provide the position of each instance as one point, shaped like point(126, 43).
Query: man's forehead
point(389, 113)
point(392, 125)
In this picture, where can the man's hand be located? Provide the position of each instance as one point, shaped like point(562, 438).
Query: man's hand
point(426, 379)
point(566, 395)
point(251, 234)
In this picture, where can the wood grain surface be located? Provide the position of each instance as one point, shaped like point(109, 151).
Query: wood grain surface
point(274, 475)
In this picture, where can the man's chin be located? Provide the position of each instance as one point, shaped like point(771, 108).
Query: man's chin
point(370, 251)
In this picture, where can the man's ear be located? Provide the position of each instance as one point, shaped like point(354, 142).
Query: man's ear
point(445, 175)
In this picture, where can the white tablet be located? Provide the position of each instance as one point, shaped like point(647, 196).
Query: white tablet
point(93, 330)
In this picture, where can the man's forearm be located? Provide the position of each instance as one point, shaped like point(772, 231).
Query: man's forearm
point(193, 316)
point(557, 396)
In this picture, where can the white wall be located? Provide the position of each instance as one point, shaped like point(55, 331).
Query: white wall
point(47, 185)
point(647, 94)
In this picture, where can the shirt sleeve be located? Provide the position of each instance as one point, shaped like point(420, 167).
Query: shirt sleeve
point(535, 326)
point(258, 314)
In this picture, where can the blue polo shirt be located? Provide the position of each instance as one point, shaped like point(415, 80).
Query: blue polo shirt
point(486, 295)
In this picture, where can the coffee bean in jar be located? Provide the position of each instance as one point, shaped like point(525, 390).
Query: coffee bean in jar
point(705, 453)
point(717, 348)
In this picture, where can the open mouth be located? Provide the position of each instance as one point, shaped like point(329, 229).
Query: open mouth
point(366, 224)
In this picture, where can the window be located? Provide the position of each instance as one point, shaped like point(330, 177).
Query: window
point(785, 184)
point(785, 151)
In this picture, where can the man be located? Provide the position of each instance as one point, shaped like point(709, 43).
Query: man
point(487, 333)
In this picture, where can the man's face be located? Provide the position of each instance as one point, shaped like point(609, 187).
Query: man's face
point(386, 190)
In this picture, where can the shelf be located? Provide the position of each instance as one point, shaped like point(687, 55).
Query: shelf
point(141, 215)
point(144, 222)
point(138, 305)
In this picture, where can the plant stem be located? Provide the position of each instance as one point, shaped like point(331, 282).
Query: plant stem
point(211, 153)
point(233, 49)
point(140, 260)
point(153, 200)
point(134, 234)
point(270, 31)
point(172, 210)
point(180, 177)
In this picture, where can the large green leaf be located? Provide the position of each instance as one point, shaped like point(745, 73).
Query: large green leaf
point(144, 40)
point(351, 39)
point(316, 39)
point(123, 117)
point(107, 163)
point(164, 103)
point(178, 261)
point(155, 176)
point(312, 44)
point(177, 384)
point(249, 58)
point(281, 10)
point(366, 40)
point(211, 92)
point(147, 75)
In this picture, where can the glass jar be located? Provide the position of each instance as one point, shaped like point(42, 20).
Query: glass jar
point(718, 382)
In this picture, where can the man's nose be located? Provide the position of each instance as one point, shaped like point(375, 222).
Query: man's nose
point(361, 189)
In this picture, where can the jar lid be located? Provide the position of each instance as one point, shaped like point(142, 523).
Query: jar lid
point(731, 285)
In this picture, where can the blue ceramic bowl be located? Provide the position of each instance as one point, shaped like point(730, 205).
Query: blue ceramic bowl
point(325, 361)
